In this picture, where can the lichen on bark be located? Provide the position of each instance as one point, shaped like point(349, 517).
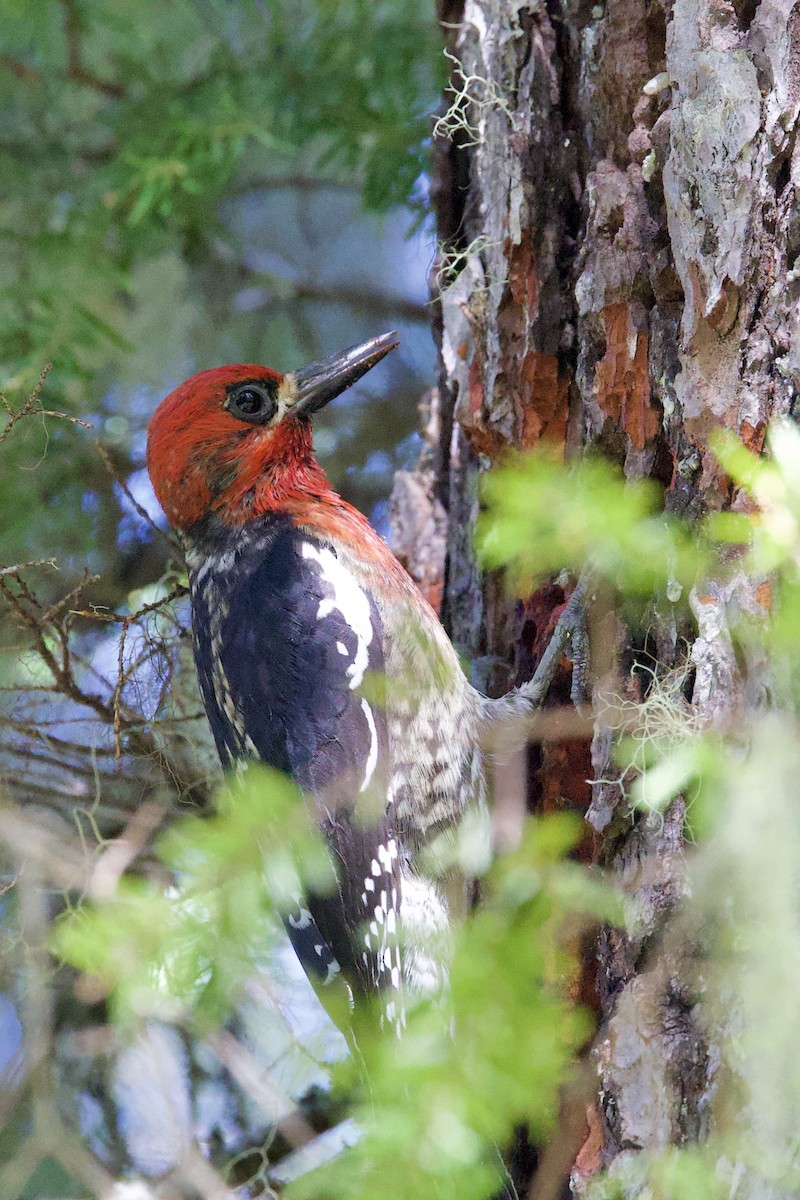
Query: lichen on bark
point(625, 218)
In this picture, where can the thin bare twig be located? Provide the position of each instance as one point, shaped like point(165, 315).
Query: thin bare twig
point(510, 720)
point(121, 673)
point(77, 70)
point(537, 689)
point(169, 538)
point(94, 614)
point(50, 614)
point(117, 698)
point(20, 69)
point(56, 654)
point(27, 408)
point(121, 851)
point(34, 562)
point(258, 1084)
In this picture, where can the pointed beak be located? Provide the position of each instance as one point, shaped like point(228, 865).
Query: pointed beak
point(319, 382)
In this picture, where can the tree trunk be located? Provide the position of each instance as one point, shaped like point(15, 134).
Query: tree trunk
point(615, 193)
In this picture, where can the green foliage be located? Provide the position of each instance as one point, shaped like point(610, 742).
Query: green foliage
point(127, 124)
point(490, 1056)
point(181, 952)
point(133, 135)
point(541, 518)
point(470, 1068)
point(497, 1050)
point(774, 535)
point(740, 782)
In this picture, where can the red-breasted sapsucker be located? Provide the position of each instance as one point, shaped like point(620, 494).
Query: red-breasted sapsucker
point(296, 602)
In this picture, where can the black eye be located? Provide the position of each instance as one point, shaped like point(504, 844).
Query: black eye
point(256, 402)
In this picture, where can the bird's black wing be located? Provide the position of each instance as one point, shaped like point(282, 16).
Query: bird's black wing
point(292, 642)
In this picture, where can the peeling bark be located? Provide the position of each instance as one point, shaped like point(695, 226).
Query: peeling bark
point(620, 205)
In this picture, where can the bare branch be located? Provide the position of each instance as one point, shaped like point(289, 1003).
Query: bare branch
point(50, 637)
point(378, 304)
point(20, 69)
point(37, 562)
point(169, 538)
point(77, 71)
point(27, 408)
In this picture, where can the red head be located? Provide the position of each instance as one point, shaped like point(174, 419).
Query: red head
point(236, 441)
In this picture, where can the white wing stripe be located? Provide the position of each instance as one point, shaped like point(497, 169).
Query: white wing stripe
point(351, 602)
point(372, 757)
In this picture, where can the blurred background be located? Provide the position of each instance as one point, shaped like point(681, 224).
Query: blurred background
point(184, 183)
point(192, 183)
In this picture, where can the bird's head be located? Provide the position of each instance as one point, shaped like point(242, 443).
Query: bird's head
point(235, 441)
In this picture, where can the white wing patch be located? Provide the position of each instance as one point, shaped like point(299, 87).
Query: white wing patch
point(351, 602)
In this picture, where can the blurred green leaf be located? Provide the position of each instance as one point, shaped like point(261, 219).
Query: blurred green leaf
point(541, 517)
point(186, 949)
point(440, 1101)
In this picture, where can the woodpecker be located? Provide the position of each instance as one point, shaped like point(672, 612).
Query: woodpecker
point(298, 608)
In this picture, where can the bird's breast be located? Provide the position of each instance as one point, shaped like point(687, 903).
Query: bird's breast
point(432, 714)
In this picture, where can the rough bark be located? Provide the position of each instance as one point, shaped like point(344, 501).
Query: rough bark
point(617, 205)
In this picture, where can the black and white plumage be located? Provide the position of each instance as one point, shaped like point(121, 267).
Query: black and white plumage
point(298, 605)
point(286, 638)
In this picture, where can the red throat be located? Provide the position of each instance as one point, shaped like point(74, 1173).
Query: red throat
point(266, 471)
point(289, 481)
